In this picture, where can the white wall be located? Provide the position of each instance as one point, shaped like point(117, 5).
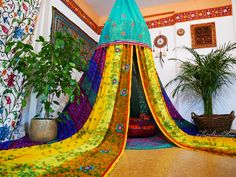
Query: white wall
point(234, 15)
point(186, 104)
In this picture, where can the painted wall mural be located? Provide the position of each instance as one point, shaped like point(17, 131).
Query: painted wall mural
point(17, 22)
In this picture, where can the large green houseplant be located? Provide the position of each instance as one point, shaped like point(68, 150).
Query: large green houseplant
point(205, 75)
point(48, 72)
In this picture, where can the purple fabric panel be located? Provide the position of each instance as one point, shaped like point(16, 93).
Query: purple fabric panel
point(20, 143)
point(172, 110)
point(183, 124)
point(79, 113)
point(92, 78)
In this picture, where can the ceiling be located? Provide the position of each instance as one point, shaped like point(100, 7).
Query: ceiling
point(103, 7)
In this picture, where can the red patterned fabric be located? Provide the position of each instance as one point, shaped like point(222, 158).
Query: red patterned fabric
point(141, 127)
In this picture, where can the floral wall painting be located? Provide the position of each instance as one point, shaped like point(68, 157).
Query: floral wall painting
point(203, 35)
point(17, 22)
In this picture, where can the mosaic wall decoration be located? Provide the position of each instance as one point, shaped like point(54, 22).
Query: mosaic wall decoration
point(17, 22)
point(203, 35)
point(62, 23)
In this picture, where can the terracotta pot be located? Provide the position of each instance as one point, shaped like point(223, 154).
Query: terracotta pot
point(213, 123)
point(43, 129)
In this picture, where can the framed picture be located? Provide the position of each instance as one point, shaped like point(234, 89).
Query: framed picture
point(203, 35)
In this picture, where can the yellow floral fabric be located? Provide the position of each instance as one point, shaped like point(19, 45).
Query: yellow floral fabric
point(163, 119)
point(71, 155)
point(97, 147)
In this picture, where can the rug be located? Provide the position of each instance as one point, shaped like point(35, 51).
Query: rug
point(159, 141)
point(154, 142)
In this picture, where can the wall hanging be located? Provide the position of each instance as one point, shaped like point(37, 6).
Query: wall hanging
point(180, 32)
point(203, 35)
point(61, 23)
point(160, 47)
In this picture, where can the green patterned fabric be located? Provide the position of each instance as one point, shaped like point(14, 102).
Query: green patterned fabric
point(138, 104)
point(125, 25)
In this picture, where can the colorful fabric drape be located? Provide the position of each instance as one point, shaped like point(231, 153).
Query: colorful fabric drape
point(98, 144)
point(76, 114)
point(97, 147)
point(183, 124)
point(125, 25)
point(105, 110)
point(163, 118)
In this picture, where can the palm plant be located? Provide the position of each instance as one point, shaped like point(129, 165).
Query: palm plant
point(206, 74)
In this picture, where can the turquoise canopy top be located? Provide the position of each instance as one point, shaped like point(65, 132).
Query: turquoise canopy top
point(125, 25)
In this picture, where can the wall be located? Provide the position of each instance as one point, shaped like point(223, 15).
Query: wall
point(186, 104)
point(234, 15)
point(46, 17)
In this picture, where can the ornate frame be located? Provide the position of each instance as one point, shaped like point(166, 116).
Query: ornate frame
point(203, 35)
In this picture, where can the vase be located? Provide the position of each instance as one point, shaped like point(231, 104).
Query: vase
point(43, 130)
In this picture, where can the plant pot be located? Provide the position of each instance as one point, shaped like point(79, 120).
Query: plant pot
point(43, 129)
point(213, 123)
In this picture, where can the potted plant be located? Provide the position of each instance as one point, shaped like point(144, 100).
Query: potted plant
point(205, 76)
point(48, 74)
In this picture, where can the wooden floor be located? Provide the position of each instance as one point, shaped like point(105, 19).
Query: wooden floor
point(173, 162)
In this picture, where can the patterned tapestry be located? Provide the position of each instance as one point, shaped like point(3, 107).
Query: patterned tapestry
point(17, 22)
point(203, 35)
point(62, 23)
